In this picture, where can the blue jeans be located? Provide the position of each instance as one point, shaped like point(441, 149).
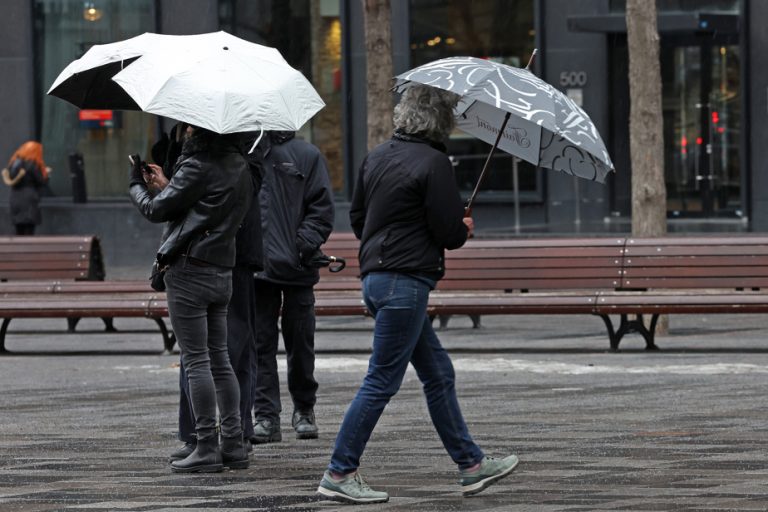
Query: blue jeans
point(403, 334)
point(197, 302)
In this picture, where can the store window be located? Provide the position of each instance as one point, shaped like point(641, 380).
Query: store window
point(486, 29)
point(308, 34)
point(683, 5)
point(64, 31)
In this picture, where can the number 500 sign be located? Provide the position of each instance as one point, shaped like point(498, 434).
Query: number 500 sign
point(573, 78)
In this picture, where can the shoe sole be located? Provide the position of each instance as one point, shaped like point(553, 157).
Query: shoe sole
point(306, 435)
point(480, 486)
point(237, 464)
point(210, 468)
point(274, 438)
point(343, 498)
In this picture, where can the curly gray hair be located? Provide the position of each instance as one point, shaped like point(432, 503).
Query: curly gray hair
point(425, 111)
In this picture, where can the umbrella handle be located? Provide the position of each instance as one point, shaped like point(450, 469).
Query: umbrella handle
point(468, 208)
point(337, 264)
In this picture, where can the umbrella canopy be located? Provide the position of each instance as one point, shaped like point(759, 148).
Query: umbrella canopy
point(540, 124)
point(216, 81)
point(87, 81)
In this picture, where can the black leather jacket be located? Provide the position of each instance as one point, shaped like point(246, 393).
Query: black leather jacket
point(204, 202)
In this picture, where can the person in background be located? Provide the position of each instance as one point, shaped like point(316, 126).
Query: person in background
point(406, 210)
point(26, 174)
point(297, 216)
point(203, 206)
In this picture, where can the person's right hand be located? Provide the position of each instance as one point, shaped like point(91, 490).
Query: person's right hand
point(156, 180)
point(470, 226)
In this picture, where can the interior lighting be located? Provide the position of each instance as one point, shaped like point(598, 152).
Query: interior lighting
point(91, 12)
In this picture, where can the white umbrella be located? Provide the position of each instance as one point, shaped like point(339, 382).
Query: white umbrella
point(215, 81)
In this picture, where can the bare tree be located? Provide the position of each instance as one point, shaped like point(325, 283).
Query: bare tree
point(646, 143)
point(378, 47)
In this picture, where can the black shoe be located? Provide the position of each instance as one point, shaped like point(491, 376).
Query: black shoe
point(266, 431)
point(234, 453)
point(206, 458)
point(304, 424)
point(183, 452)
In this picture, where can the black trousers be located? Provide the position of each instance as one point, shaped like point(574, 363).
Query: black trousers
point(297, 304)
point(241, 347)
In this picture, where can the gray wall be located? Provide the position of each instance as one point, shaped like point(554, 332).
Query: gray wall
point(17, 116)
point(758, 113)
point(565, 51)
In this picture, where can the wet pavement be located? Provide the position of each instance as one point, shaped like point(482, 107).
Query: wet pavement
point(87, 421)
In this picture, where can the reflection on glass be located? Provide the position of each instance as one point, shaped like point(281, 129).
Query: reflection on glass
point(702, 119)
point(485, 29)
point(63, 32)
point(684, 5)
point(308, 35)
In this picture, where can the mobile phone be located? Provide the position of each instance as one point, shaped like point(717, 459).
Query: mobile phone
point(142, 164)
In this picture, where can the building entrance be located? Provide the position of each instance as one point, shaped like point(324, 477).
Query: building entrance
point(701, 103)
point(702, 120)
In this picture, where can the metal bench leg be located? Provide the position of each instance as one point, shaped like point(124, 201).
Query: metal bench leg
point(169, 340)
point(650, 339)
point(3, 330)
point(109, 324)
point(628, 326)
point(444, 320)
point(613, 337)
point(72, 323)
point(475, 321)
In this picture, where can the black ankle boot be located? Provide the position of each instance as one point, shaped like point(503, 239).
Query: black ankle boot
point(183, 452)
point(234, 452)
point(205, 459)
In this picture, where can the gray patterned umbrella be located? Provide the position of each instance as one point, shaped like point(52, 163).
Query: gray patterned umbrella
point(519, 112)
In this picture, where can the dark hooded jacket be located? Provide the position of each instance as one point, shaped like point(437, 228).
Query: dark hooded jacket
point(297, 210)
point(204, 202)
point(406, 208)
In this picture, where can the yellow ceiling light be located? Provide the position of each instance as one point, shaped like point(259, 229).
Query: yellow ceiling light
point(91, 12)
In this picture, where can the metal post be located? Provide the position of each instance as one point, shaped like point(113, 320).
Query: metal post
point(516, 191)
point(577, 204)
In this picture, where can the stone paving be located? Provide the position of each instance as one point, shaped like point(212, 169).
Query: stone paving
point(87, 421)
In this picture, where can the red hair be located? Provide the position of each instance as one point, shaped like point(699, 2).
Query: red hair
point(33, 152)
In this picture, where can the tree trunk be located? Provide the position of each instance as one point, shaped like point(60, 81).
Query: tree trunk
point(646, 130)
point(646, 143)
point(378, 47)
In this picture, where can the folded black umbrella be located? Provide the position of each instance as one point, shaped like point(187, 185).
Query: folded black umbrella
point(320, 260)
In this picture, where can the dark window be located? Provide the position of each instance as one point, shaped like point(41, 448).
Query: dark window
point(308, 35)
point(64, 31)
point(485, 29)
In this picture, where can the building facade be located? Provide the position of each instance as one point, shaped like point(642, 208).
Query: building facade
point(715, 103)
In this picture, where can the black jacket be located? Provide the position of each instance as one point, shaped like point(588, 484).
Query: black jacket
point(406, 208)
point(24, 198)
point(297, 209)
point(204, 202)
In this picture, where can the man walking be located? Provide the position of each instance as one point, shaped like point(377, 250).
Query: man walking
point(297, 218)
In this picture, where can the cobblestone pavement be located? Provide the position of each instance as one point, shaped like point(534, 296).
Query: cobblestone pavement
point(87, 421)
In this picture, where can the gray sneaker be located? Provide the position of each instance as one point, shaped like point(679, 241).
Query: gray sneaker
point(352, 489)
point(266, 431)
point(490, 471)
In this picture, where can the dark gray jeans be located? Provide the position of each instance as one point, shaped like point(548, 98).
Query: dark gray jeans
point(198, 297)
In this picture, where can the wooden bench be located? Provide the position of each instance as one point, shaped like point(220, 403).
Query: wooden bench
point(50, 257)
point(63, 277)
point(607, 276)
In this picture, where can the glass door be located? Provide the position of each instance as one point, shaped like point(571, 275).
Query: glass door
point(702, 119)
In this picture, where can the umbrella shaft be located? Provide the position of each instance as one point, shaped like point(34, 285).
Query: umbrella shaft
point(468, 209)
